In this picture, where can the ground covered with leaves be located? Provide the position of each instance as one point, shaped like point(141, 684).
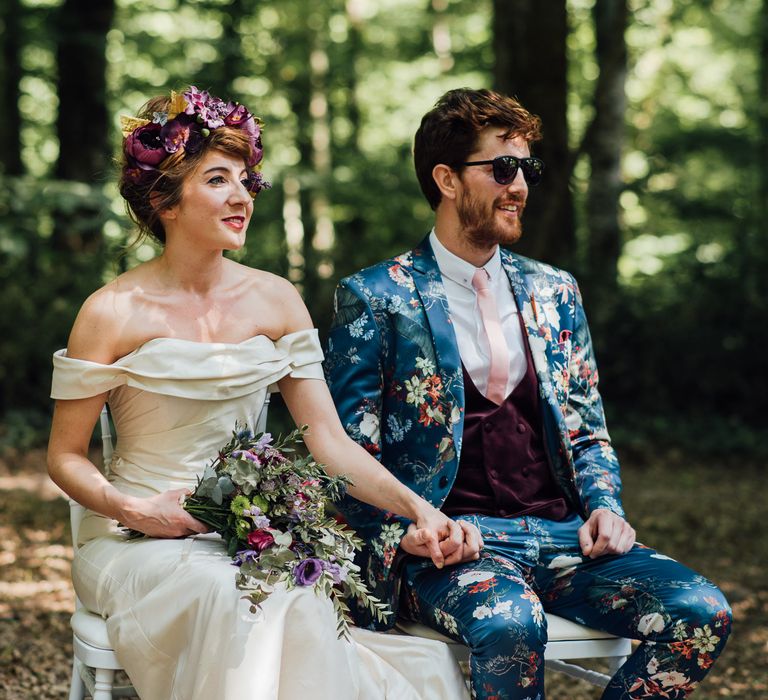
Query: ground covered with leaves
point(710, 515)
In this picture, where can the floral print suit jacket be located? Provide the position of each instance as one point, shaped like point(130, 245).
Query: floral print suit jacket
point(394, 371)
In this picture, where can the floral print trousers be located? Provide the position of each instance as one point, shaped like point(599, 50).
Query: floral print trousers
point(495, 606)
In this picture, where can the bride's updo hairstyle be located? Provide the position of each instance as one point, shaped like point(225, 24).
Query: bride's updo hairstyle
point(165, 142)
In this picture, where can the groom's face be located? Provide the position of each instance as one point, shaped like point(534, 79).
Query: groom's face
point(491, 213)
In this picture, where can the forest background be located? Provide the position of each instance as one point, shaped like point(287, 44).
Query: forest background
point(655, 120)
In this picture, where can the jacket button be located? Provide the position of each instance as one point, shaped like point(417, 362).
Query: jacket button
point(525, 471)
point(488, 427)
point(520, 427)
point(443, 482)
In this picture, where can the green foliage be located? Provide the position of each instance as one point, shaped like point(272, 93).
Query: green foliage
point(341, 87)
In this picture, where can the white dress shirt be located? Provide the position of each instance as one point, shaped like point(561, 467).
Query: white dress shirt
point(470, 334)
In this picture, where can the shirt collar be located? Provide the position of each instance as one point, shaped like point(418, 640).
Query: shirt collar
point(459, 270)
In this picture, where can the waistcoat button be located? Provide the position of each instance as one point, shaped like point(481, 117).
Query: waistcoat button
point(443, 482)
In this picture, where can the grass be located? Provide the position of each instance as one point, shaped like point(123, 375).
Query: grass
point(710, 515)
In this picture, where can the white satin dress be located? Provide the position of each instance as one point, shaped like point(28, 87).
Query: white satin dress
point(176, 620)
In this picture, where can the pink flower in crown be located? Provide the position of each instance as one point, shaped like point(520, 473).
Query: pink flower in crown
point(210, 110)
point(144, 147)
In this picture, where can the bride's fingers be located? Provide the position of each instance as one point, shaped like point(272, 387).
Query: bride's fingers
point(429, 540)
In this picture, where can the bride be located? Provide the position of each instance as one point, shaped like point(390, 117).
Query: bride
point(181, 347)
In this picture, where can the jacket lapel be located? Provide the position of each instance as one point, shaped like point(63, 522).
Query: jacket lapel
point(538, 329)
point(429, 286)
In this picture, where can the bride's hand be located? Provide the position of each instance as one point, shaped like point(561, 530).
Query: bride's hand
point(434, 535)
point(161, 515)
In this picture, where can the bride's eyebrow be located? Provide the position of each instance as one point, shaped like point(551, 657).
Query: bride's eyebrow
point(222, 169)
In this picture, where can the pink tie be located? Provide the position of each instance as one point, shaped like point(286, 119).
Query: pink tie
point(499, 371)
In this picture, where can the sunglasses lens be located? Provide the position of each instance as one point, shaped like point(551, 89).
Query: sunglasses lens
point(505, 169)
point(532, 170)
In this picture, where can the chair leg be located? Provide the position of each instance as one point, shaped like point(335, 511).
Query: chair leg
point(77, 687)
point(102, 689)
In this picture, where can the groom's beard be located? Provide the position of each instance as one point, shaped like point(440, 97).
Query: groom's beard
point(484, 226)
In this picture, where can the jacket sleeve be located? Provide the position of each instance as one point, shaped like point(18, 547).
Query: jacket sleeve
point(596, 465)
point(355, 360)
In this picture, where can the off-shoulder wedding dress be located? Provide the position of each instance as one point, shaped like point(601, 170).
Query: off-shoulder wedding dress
point(174, 616)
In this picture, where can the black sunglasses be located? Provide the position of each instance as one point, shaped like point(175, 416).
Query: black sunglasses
point(505, 169)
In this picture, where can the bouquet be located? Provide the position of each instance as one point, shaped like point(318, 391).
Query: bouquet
point(269, 505)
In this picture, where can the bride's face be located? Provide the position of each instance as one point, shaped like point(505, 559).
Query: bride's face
point(215, 206)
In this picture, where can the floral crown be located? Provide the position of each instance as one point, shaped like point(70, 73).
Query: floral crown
point(189, 120)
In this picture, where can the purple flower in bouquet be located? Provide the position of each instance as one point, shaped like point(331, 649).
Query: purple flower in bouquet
point(247, 454)
point(338, 572)
point(145, 147)
point(260, 539)
point(260, 520)
point(244, 556)
point(263, 441)
point(308, 571)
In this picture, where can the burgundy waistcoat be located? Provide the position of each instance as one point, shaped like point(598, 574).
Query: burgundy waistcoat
point(503, 470)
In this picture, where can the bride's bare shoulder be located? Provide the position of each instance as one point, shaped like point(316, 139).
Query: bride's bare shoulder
point(99, 330)
point(278, 297)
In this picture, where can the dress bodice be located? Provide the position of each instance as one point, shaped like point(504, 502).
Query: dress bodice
point(175, 402)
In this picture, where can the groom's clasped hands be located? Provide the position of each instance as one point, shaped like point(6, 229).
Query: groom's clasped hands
point(446, 543)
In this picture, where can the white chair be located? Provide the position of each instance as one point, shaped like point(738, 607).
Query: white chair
point(568, 641)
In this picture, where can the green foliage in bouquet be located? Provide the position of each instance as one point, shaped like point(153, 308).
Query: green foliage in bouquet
point(269, 505)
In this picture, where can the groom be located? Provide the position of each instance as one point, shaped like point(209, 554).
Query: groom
point(469, 372)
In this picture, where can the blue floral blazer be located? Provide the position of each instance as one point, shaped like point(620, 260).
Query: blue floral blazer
point(393, 367)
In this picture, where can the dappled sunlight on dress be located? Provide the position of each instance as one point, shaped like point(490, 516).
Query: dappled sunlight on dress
point(176, 620)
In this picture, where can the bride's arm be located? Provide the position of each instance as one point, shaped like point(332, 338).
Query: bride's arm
point(310, 403)
point(76, 475)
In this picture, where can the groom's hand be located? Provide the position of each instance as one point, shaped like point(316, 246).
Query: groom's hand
point(434, 543)
point(604, 532)
point(470, 547)
point(463, 543)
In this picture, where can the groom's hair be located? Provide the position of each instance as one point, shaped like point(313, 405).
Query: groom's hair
point(449, 131)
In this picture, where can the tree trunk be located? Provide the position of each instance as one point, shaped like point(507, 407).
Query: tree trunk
point(603, 146)
point(763, 119)
point(83, 121)
point(83, 124)
point(529, 41)
point(10, 77)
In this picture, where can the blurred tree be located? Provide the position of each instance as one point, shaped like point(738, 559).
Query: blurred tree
point(10, 77)
point(529, 44)
point(83, 124)
point(762, 102)
point(603, 142)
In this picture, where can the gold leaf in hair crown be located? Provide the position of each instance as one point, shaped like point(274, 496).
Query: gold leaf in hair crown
point(177, 106)
point(129, 124)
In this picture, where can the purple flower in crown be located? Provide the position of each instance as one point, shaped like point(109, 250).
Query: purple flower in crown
point(256, 183)
point(237, 115)
point(176, 133)
point(307, 571)
point(253, 129)
point(144, 147)
point(210, 110)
